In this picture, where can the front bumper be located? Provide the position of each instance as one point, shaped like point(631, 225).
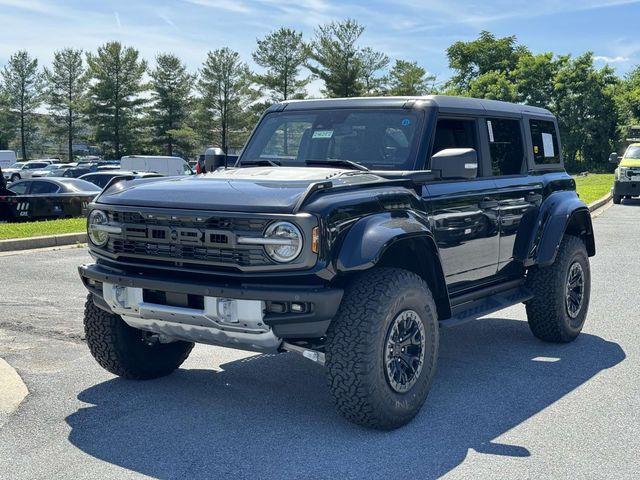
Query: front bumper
point(320, 304)
point(623, 188)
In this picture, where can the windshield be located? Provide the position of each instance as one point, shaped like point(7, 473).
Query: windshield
point(633, 152)
point(375, 138)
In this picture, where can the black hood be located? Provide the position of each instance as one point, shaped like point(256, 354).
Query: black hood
point(259, 189)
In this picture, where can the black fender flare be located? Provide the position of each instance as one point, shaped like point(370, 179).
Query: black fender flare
point(541, 230)
point(400, 239)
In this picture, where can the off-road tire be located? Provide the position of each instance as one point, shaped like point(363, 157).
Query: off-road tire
point(124, 351)
point(547, 311)
point(617, 199)
point(356, 342)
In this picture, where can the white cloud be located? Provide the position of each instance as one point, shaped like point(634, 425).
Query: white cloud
point(228, 5)
point(617, 59)
point(117, 17)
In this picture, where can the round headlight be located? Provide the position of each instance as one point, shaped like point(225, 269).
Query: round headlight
point(97, 236)
point(287, 241)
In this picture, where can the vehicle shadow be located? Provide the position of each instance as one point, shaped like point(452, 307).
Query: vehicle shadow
point(270, 416)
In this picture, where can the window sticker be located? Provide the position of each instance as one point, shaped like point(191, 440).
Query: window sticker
point(322, 134)
point(406, 122)
point(490, 128)
point(535, 149)
point(547, 145)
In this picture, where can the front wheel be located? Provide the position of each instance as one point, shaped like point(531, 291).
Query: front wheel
point(561, 291)
point(15, 177)
point(126, 351)
point(617, 199)
point(382, 348)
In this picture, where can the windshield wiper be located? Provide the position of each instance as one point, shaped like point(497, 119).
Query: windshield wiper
point(259, 161)
point(336, 161)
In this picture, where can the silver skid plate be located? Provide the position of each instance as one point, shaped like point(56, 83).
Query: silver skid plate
point(223, 321)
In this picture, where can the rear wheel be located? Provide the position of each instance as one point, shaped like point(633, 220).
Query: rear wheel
point(561, 291)
point(126, 351)
point(617, 199)
point(382, 348)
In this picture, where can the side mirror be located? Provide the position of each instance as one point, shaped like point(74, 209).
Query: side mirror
point(214, 158)
point(613, 158)
point(455, 163)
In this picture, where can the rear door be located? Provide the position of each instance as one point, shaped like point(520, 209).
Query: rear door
point(519, 191)
point(463, 213)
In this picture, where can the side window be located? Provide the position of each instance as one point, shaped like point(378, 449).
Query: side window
point(20, 188)
point(505, 146)
point(545, 142)
point(40, 188)
point(453, 133)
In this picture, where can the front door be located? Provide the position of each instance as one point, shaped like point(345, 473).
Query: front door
point(463, 213)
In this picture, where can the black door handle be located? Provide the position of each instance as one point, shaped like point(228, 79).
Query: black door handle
point(488, 203)
point(532, 197)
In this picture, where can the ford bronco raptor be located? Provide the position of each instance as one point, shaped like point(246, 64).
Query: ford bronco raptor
point(348, 231)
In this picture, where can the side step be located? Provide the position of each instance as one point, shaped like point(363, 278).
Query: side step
point(475, 309)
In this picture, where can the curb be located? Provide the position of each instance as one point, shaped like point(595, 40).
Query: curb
point(600, 202)
point(12, 389)
point(42, 242)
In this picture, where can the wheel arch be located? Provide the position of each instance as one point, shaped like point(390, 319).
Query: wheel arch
point(399, 241)
point(542, 230)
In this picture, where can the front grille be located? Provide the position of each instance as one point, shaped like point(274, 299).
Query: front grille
point(174, 240)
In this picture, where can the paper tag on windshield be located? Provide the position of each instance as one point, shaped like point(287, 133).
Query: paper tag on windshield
point(547, 145)
point(490, 128)
point(322, 134)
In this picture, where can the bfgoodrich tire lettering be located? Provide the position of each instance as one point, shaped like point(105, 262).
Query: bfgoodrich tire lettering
point(356, 340)
point(551, 317)
point(124, 351)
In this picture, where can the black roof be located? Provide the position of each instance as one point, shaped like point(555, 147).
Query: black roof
point(442, 102)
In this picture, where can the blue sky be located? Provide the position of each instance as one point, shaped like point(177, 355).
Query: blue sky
point(408, 29)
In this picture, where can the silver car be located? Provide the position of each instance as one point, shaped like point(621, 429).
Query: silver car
point(25, 169)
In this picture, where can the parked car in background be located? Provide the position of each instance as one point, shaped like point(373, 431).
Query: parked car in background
point(626, 182)
point(41, 198)
point(83, 169)
point(7, 158)
point(101, 178)
point(43, 172)
point(60, 169)
point(169, 166)
point(25, 170)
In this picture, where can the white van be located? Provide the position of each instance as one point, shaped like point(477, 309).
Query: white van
point(168, 166)
point(7, 158)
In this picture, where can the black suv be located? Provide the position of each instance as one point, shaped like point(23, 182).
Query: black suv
point(349, 231)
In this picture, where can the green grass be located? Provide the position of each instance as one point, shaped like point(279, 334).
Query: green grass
point(38, 229)
point(594, 186)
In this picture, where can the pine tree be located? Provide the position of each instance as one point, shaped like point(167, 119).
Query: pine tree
point(22, 91)
point(225, 86)
point(66, 88)
point(171, 88)
point(114, 96)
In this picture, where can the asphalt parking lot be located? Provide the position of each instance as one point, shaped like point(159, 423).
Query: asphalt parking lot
point(504, 405)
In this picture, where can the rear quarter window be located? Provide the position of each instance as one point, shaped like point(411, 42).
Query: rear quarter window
point(544, 140)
